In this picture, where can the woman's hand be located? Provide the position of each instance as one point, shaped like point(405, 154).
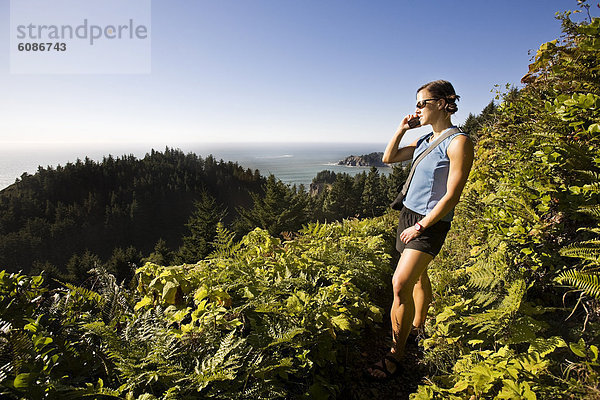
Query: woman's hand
point(404, 124)
point(392, 153)
point(409, 234)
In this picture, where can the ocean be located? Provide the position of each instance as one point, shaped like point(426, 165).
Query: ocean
point(292, 163)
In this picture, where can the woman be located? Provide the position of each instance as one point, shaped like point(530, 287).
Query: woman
point(428, 209)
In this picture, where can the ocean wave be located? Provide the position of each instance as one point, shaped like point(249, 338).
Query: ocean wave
point(281, 156)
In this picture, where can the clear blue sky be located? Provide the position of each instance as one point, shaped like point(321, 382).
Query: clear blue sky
point(280, 70)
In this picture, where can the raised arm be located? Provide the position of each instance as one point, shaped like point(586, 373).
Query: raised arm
point(392, 153)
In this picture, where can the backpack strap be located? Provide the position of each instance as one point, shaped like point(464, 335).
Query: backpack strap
point(421, 156)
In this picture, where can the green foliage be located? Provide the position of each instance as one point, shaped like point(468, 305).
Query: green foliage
point(160, 255)
point(500, 374)
point(374, 197)
point(501, 327)
point(46, 348)
point(279, 210)
point(268, 316)
point(474, 123)
point(258, 319)
point(589, 283)
point(58, 213)
point(201, 225)
point(293, 301)
point(586, 279)
point(587, 250)
point(583, 374)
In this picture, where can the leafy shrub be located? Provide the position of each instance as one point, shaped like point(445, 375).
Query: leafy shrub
point(500, 329)
point(263, 318)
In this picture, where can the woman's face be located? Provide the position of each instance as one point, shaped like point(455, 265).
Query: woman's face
point(432, 110)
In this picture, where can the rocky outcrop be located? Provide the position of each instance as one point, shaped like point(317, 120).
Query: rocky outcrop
point(367, 160)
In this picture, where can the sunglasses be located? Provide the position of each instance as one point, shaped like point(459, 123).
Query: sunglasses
point(423, 103)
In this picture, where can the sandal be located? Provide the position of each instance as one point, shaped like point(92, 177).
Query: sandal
point(383, 368)
point(416, 335)
point(414, 332)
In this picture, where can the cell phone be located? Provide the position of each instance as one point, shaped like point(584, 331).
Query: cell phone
point(414, 122)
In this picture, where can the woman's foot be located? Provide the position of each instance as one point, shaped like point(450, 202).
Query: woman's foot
point(387, 368)
point(416, 333)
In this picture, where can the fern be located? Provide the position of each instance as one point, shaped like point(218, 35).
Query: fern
point(5, 354)
point(593, 187)
point(287, 336)
point(593, 210)
point(544, 346)
point(116, 302)
point(497, 319)
point(20, 346)
point(483, 278)
point(490, 269)
point(224, 245)
point(87, 294)
point(593, 177)
point(485, 299)
point(94, 392)
point(222, 365)
point(587, 250)
point(518, 205)
point(589, 283)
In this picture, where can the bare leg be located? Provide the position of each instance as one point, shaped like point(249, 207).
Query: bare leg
point(410, 267)
point(422, 295)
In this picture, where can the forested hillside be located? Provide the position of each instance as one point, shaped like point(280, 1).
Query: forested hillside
point(77, 214)
point(164, 208)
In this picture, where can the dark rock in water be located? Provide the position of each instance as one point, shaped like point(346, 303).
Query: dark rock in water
point(367, 160)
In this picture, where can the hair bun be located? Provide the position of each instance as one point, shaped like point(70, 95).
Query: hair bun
point(451, 106)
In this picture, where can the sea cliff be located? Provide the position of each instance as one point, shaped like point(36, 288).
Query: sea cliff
point(367, 160)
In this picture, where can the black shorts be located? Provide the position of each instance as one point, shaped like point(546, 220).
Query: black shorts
point(430, 241)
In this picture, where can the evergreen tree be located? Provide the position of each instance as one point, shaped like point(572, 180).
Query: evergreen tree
point(395, 181)
point(48, 270)
point(325, 176)
point(279, 210)
point(473, 123)
point(120, 202)
point(202, 226)
point(357, 189)
point(123, 262)
point(374, 198)
point(340, 200)
point(161, 255)
point(78, 266)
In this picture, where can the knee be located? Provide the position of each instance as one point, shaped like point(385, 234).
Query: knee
point(402, 289)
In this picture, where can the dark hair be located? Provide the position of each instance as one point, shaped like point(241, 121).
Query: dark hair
point(443, 90)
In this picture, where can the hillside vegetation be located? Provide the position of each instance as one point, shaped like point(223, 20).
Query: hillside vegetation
point(517, 289)
point(262, 318)
point(164, 208)
point(66, 219)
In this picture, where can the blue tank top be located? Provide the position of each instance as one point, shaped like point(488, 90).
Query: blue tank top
point(428, 184)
